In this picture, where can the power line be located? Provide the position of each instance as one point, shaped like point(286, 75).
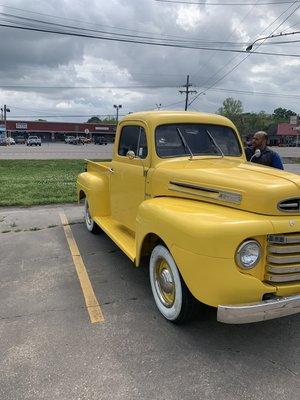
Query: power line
point(217, 89)
point(214, 54)
point(29, 23)
point(237, 56)
point(239, 63)
point(127, 40)
point(265, 3)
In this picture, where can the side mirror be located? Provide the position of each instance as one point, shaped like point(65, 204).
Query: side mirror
point(130, 154)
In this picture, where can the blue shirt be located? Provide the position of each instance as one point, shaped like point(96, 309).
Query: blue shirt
point(268, 157)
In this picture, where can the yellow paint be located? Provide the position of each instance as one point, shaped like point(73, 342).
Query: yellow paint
point(91, 301)
point(201, 228)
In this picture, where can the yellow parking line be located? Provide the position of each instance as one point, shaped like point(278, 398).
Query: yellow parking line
point(91, 301)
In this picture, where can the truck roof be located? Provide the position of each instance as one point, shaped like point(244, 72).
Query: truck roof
point(163, 117)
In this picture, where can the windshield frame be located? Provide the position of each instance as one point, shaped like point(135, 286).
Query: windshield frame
point(197, 155)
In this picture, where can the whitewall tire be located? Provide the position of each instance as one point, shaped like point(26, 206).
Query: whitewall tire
point(170, 293)
point(89, 223)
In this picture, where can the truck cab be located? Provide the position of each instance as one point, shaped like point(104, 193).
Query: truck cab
point(213, 227)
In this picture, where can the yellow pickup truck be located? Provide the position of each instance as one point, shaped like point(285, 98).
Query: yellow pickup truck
point(213, 227)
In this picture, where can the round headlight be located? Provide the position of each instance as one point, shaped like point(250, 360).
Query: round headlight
point(248, 254)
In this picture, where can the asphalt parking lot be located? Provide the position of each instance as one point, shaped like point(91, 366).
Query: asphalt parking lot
point(58, 150)
point(50, 349)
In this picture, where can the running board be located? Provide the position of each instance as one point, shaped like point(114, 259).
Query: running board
point(123, 237)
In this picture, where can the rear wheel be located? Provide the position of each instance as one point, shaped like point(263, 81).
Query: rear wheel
point(170, 293)
point(89, 223)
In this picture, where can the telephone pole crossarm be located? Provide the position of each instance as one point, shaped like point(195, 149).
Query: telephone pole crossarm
point(187, 91)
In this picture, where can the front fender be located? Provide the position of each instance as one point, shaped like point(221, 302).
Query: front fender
point(203, 239)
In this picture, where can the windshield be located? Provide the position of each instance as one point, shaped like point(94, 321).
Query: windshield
point(176, 140)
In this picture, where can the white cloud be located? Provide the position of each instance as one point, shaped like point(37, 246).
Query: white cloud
point(36, 59)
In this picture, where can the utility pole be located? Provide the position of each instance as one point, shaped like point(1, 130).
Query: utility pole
point(187, 91)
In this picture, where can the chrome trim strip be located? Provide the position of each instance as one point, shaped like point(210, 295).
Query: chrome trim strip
point(283, 259)
point(283, 278)
point(221, 195)
point(191, 186)
point(259, 311)
point(283, 270)
point(284, 249)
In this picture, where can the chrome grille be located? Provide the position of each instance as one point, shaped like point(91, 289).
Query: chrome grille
point(283, 258)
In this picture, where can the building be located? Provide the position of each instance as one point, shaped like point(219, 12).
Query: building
point(289, 133)
point(57, 131)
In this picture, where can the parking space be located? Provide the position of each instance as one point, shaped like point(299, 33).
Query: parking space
point(50, 349)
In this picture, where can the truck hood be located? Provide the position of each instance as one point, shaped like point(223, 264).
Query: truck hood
point(230, 182)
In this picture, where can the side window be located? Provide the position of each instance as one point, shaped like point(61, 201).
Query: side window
point(133, 138)
point(142, 144)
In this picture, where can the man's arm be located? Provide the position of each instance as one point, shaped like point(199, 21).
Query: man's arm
point(276, 161)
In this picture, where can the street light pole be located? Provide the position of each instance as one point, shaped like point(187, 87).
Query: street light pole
point(117, 109)
point(249, 48)
point(6, 110)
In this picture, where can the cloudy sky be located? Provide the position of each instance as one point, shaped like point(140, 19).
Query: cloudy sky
point(65, 77)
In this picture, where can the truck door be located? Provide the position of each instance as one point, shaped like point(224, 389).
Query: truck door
point(129, 174)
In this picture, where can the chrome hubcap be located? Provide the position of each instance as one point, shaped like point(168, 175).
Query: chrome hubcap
point(164, 283)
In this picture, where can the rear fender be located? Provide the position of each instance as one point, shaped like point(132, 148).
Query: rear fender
point(95, 187)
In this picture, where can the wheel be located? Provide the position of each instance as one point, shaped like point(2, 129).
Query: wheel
point(170, 293)
point(90, 224)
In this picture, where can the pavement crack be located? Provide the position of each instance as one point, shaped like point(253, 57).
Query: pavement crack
point(36, 228)
point(26, 315)
point(278, 364)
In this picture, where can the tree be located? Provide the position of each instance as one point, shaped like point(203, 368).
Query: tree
point(282, 114)
point(232, 109)
point(94, 120)
point(106, 120)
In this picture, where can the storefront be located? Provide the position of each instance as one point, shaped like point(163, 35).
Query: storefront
point(58, 131)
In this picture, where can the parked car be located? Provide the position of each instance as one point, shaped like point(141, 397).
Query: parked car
point(20, 140)
point(100, 140)
point(69, 139)
point(33, 141)
point(10, 141)
point(85, 139)
point(78, 140)
point(2, 141)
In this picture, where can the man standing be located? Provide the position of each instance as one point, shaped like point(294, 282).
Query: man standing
point(259, 152)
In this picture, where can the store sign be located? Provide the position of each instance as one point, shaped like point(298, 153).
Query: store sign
point(101, 128)
point(294, 120)
point(21, 125)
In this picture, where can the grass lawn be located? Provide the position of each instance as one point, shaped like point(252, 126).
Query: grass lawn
point(29, 182)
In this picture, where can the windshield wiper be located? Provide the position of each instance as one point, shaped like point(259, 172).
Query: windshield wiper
point(187, 147)
point(214, 142)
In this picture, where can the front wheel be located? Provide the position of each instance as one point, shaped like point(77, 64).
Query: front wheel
point(89, 223)
point(170, 293)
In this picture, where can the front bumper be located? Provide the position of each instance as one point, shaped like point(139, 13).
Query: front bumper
point(259, 311)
